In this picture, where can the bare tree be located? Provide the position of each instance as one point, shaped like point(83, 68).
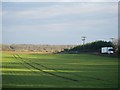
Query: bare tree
point(116, 43)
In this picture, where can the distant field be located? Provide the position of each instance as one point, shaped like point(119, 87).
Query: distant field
point(30, 70)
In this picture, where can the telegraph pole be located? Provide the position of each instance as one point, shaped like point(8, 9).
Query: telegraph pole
point(112, 39)
point(83, 39)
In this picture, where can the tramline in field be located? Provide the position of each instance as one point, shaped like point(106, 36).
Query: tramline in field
point(59, 70)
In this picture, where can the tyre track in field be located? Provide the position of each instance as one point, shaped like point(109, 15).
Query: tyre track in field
point(10, 72)
point(47, 67)
point(66, 78)
point(99, 79)
point(24, 64)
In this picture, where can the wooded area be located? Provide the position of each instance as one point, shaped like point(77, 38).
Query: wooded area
point(92, 47)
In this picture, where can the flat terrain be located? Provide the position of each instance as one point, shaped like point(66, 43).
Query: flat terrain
point(30, 70)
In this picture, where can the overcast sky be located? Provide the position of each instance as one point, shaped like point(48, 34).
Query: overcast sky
point(58, 23)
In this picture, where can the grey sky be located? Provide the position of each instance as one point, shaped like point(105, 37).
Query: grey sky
point(58, 23)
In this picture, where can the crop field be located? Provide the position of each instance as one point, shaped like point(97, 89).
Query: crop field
point(29, 70)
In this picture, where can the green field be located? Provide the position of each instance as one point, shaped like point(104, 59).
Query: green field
point(59, 71)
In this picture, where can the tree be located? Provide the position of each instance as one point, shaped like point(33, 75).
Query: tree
point(92, 47)
point(115, 44)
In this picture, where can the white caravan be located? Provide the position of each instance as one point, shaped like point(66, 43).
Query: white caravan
point(107, 50)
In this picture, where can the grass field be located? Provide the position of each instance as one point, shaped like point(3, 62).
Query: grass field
point(59, 70)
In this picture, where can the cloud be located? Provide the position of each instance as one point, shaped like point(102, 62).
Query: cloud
point(61, 20)
point(60, 0)
point(63, 27)
point(63, 9)
point(61, 32)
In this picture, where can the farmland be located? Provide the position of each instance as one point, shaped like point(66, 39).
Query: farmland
point(34, 70)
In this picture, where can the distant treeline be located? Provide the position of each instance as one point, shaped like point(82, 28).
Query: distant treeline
point(89, 47)
point(35, 48)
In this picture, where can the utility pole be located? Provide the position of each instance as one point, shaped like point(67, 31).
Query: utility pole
point(83, 39)
point(112, 39)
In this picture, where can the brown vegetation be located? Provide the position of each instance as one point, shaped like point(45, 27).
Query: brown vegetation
point(35, 48)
